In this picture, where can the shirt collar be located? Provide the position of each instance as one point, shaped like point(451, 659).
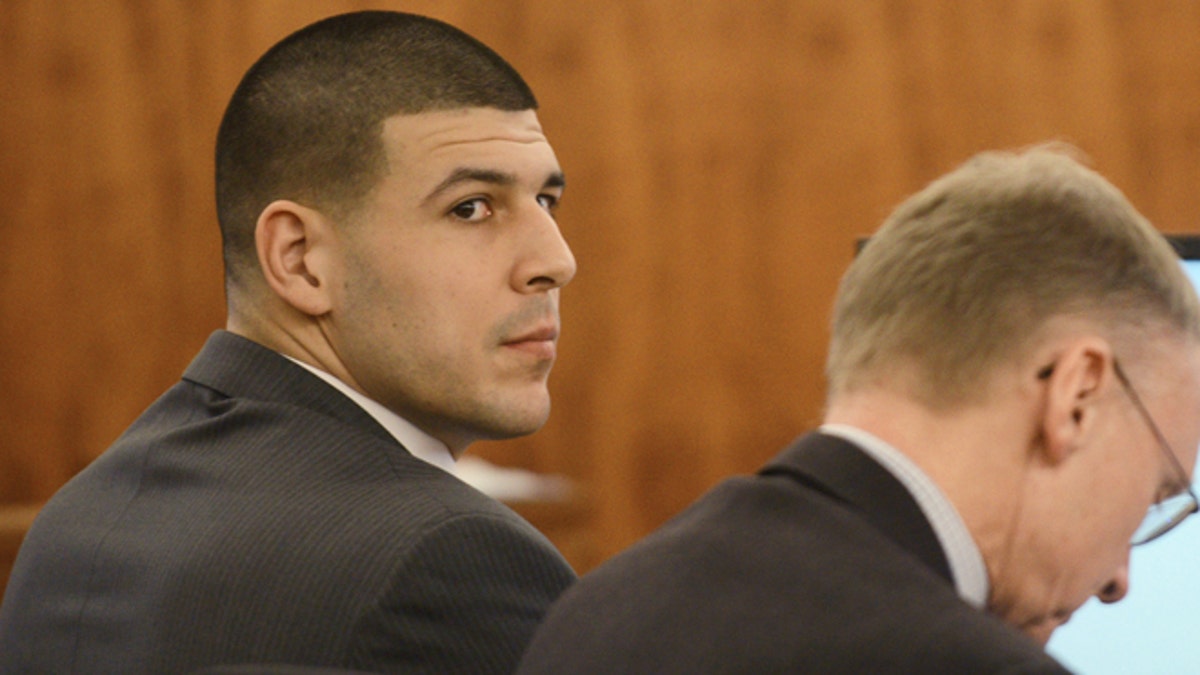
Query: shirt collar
point(418, 443)
point(966, 562)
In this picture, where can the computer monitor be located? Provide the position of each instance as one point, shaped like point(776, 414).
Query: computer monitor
point(1153, 630)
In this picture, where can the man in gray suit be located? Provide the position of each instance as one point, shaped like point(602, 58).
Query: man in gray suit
point(386, 199)
point(1014, 379)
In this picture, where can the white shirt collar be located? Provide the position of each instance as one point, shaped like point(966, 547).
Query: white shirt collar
point(966, 562)
point(418, 443)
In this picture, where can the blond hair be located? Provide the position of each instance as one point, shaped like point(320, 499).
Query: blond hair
point(961, 275)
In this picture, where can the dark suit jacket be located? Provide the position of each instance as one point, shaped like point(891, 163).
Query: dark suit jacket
point(254, 514)
point(822, 563)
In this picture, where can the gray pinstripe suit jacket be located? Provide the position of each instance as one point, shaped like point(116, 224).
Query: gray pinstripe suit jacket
point(255, 514)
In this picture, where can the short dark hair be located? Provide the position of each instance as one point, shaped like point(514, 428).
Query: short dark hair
point(306, 121)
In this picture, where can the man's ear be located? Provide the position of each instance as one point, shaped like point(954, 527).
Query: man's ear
point(1074, 385)
point(294, 250)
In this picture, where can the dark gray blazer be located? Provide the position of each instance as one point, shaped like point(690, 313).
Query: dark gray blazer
point(822, 563)
point(254, 514)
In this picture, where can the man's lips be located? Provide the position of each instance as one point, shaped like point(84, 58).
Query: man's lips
point(539, 342)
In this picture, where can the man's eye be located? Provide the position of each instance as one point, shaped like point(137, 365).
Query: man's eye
point(548, 202)
point(472, 210)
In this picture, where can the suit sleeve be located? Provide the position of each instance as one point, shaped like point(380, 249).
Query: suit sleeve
point(467, 599)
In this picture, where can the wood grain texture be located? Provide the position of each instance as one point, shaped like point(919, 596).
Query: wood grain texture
point(722, 158)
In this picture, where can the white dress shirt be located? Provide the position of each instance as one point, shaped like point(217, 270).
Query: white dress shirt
point(418, 443)
point(966, 562)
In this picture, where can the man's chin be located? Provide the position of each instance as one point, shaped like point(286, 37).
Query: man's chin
point(1041, 629)
point(514, 423)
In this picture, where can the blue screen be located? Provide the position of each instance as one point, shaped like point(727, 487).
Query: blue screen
point(1156, 628)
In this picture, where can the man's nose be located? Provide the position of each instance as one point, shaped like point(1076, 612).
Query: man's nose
point(1116, 588)
point(548, 262)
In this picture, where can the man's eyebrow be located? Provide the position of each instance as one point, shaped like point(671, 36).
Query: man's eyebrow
point(555, 180)
point(492, 176)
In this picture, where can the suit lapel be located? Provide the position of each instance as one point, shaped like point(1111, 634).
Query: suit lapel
point(839, 469)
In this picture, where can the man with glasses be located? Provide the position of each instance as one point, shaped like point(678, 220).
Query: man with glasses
point(984, 464)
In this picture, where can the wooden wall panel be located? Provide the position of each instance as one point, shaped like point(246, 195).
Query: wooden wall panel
point(108, 270)
point(722, 158)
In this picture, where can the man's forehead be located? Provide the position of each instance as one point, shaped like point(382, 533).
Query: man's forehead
point(434, 131)
point(425, 151)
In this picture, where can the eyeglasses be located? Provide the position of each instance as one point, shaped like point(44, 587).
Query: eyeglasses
point(1164, 514)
